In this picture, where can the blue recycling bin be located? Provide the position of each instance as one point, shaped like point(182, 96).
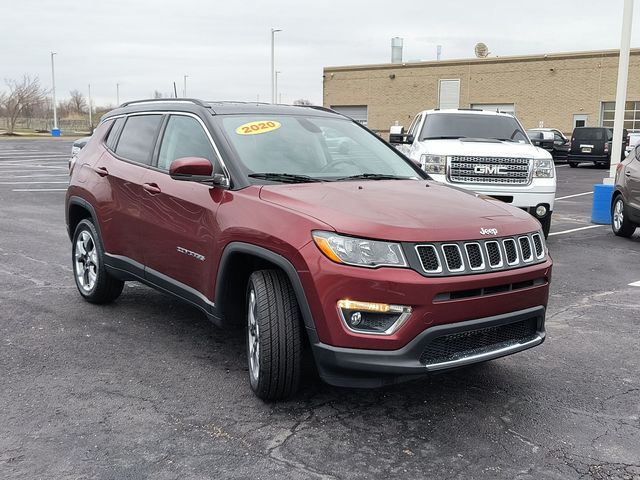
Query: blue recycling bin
point(55, 132)
point(601, 210)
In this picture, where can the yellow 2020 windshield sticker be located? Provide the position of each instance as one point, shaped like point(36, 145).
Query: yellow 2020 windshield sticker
point(254, 128)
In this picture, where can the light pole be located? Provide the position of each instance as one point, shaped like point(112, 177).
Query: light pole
point(184, 90)
point(276, 85)
point(621, 89)
point(90, 112)
point(117, 94)
point(273, 65)
point(54, 132)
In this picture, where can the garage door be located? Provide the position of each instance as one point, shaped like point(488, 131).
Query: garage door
point(495, 107)
point(356, 112)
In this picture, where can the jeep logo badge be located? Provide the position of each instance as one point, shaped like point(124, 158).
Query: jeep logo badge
point(488, 231)
point(490, 169)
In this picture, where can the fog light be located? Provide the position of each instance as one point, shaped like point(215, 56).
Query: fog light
point(373, 318)
point(541, 211)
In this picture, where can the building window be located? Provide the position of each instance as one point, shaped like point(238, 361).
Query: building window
point(631, 115)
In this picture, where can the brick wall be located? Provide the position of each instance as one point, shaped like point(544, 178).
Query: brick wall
point(549, 88)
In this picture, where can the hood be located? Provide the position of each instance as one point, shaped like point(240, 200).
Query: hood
point(483, 149)
point(399, 210)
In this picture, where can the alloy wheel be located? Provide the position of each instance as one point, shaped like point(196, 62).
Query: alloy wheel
point(618, 214)
point(86, 261)
point(253, 332)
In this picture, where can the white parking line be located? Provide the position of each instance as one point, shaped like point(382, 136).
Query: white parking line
point(572, 196)
point(562, 166)
point(635, 284)
point(41, 175)
point(576, 230)
point(39, 190)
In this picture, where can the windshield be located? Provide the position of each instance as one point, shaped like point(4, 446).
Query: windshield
point(301, 148)
point(469, 125)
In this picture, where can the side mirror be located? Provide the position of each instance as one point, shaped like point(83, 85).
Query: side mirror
point(196, 169)
point(397, 135)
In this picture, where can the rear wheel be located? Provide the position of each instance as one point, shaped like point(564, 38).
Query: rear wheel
point(274, 335)
point(92, 279)
point(620, 223)
point(573, 164)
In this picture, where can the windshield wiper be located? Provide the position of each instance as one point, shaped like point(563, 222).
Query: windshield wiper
point(373, 176)
point(285, 177)
point(445, 137)
point(505, 139)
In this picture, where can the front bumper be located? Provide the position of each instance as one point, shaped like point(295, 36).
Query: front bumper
point(350, 367)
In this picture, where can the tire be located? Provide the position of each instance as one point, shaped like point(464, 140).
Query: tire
point(602, 165)
point(620, 223)
point(546, 224)
point(274, 335)
point(92, 279)
point(573, 164)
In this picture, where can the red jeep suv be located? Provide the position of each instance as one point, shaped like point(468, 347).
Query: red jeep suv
point(312, 231)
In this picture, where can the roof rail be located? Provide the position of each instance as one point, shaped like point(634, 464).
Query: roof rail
point(166, 100)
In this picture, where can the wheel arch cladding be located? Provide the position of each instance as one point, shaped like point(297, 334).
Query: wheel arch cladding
point(77, 210)
point(237, 263)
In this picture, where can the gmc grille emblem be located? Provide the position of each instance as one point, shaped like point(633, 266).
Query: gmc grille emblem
point(490, 169)
point(488, 231)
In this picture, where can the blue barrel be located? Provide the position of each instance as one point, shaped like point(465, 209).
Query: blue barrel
point(601, 211)
point(55, 132)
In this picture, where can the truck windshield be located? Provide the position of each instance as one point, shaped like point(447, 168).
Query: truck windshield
point(298, 148)
point(469, 125)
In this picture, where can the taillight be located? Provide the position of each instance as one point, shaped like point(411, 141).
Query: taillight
point(606, 147)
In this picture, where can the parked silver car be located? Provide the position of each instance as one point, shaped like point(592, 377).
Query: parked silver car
point(625, 204)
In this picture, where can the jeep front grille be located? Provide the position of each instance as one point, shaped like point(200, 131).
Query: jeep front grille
point(505, 170)
point(480, 256)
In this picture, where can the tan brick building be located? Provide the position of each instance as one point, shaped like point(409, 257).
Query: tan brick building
point(560, 90)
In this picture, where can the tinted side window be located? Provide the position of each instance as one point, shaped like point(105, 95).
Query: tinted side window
point(138, 138)
point(184, 137)
point(112, 138)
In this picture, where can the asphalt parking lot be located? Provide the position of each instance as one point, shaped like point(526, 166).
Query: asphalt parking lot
point(147, 388)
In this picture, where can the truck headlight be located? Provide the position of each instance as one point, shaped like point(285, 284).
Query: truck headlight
point(543, 168)
point(359, 251)
point(433, 163)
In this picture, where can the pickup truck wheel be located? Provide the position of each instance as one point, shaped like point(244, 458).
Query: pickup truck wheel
point(573, 164)
point(620, 223)
point(546, 225)
point(92, 279)
point(274, 335)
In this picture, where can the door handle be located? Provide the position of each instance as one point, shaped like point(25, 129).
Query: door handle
point(102, 171)
point(627, 173)
point(152, 188)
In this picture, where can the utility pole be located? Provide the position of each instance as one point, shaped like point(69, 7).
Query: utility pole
point(184, 90)
point(273, 65)
point(54, 132)
point(117, 94)
point(621, 89)
point(276, 85)
point(90, 112)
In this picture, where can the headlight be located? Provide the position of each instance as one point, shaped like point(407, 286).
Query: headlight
point(433, 163)
point(359, 251)
point(543, 168)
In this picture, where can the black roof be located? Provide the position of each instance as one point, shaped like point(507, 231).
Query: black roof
point(218, 107)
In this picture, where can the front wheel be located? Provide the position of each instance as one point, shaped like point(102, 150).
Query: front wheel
point(92, 279)
point(620, 223)
point(274, 335)
point(573, 164)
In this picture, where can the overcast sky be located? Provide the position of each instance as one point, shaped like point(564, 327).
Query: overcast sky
point(224, 46)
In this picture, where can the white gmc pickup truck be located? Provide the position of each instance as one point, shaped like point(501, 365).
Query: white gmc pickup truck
point(487, 152)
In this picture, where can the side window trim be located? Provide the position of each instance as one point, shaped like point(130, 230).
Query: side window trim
point(159, 137)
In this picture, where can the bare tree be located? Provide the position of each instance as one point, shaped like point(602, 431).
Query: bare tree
point(157, 94)
point(77, 102)
point(302, 101)
point(23, 96)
